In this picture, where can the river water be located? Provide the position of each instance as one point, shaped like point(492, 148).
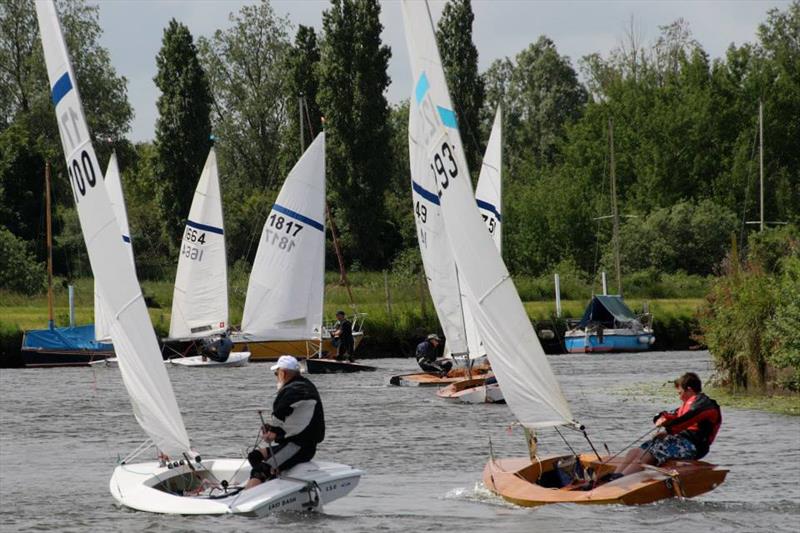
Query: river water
point(62, 429)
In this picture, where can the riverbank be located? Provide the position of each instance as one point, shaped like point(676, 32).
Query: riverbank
point(398, 311)
point(783, 403)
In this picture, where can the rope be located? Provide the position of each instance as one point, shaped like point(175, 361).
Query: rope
point(566, 442)
point(629, 445)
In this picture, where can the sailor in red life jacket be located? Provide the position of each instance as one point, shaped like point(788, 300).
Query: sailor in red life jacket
point(690, 430)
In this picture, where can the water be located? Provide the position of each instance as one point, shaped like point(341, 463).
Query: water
point(61, 431)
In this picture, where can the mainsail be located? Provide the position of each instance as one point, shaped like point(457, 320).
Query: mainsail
point(440, 269)
point(102, 321)
point(200, 298)
point(517, 358)
point(488, 196)
point(287, 284)
point(140, 362)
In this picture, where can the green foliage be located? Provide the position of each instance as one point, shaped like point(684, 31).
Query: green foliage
point(19, 270)
point(246, 67)
point(749, 318)
point(353, 80)
point(183, 126)
point(460, 62)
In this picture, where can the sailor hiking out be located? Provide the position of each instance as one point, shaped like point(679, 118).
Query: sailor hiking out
point(426, 355)
point(689, 430)
point(296, 427)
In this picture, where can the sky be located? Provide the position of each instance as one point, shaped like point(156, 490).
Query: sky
point(132, 31)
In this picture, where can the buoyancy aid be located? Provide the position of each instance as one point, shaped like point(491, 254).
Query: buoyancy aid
point(698, 419)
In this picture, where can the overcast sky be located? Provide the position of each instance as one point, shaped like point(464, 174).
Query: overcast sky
point(133, 29)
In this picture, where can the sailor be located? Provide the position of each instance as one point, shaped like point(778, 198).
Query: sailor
point(426, 356)
point(296, 427)
point(217, 349)
point(343, 338)
point(690, 429)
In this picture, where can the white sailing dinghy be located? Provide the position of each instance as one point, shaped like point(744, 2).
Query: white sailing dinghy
point(488, 197)
point(287, 282)
point(200, 298)
point(517, 357)
point(157, 486)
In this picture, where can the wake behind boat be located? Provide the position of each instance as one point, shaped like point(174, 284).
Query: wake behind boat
point(175, 483)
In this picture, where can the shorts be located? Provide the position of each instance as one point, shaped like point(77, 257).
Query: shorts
point(670, 447)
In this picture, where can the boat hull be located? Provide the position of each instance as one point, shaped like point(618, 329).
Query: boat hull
point(271, 350)
point(332, 366)
point(517, 481)
point(472, 391)
point(612, 341)
point(234, 359)
point(426, 379)
point(158, 489)
point(70, 346)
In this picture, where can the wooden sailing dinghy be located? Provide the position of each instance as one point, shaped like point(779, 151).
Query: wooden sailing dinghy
point(180, 482)
point(517, 358)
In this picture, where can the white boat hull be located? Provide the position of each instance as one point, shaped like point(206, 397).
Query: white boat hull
point(158, 489)
point(234, 359)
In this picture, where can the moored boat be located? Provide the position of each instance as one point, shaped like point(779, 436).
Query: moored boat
point(608, 325)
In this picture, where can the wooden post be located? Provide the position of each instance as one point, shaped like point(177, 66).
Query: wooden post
point(50, 320)
point(388, 294)
point(558, 295)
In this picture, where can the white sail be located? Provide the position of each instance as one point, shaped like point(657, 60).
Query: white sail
point(140, 361)
point(517, 358)
point(488, 196)
point(440, 270)
point(287, 285)
point(489, 192)
point(200, 298)
point(102, 321)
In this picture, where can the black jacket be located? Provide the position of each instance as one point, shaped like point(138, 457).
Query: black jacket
point(426, 350)
point(297, 414)
point(699, 424)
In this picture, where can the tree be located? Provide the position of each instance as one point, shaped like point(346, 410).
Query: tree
point(303, 85)
point(28, 128)
point(460, 62)
point(183, 127)
point(353, 80)
point(19, 271)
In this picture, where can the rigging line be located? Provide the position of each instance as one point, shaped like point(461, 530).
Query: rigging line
point(629, 445)
point(566, 441)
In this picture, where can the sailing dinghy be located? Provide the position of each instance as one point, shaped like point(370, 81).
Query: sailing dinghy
point(165, 485)
point(200, 298)
point(488, 197)
point(283, 307)
point(517, 358)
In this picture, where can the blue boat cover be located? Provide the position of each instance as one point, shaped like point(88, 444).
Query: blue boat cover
point(609, 311)
point(76, 338)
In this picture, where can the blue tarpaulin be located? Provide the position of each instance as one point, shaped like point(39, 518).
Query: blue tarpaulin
point(75, 338)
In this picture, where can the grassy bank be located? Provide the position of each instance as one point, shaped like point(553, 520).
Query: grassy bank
point(393, 326)
point(780, 403)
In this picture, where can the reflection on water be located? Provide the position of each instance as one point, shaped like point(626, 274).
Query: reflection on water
point(63, 429)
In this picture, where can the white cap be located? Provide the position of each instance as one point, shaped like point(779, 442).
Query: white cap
point(287, 362)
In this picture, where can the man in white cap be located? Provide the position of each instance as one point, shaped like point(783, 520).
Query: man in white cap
point(296, 427)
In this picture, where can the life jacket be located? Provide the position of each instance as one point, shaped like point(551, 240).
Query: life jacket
point(698, 420)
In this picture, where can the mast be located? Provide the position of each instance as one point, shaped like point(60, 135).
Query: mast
point(50, 322)
point(614, 211)
point(761, 159)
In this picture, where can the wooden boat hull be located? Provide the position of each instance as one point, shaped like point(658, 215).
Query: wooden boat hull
point(332, 366)
point(423, 379)
point(301, 348)
point(517, 480)
point(472, 391)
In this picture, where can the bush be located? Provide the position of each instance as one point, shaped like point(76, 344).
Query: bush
point(19, 270)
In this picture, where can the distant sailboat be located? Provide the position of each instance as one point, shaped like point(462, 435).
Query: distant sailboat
point(164, 485)
point(283, 307)
point(529, 385)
